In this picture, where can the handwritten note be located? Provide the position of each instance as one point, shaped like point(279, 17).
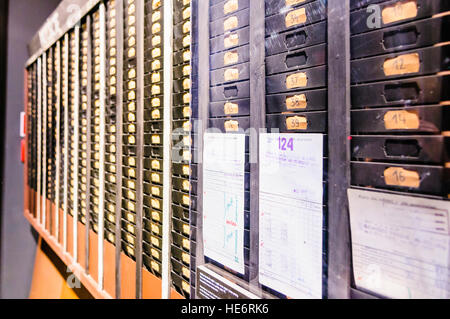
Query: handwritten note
point(223, 199)
point(291, 214)
point(400, 245)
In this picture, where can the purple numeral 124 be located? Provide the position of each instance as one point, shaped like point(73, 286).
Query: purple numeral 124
point(284, 144)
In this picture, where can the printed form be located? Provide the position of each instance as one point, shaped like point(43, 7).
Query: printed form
point(400, 245)
point(291, 214)
point(223, 199)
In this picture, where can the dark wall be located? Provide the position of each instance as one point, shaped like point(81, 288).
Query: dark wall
point(17, 242)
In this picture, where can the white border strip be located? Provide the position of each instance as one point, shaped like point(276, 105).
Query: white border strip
point(39, 136)
point(167, 147)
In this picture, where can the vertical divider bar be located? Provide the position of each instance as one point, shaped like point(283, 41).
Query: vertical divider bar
point(88, 140)
point(203, 105)
point(39, 137)
point(167, 147)
point(119, 134)
point(44, 142)
point(101, 204)
point(339, 150)
point(257, 122)
point(66, 138)
point(139, 140)
point(76, 134)
point(58, 136)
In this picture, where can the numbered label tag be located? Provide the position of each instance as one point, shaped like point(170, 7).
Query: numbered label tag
point(403, 64)
point(130, 251)
point(156, 115)
point(155, 241)
point(231, 74)
point(231, 40)
point(186, 170)
point(187, 27)
point(399, 11)
point(155, 178)
point(401, 120)
point(296, 80)
point(296, 123)
point(295, 17)
point(187, 112)
point(156, 165)
point(186, 244)
point(297, 101)
point(156, 139)
point(155, 216)
point(397, 176)
point(155, 266)
point(231, 108)
point(155, 191)
point(231, 126)
point(186, 287)
point(186, 272)
point(186, 229)
point(230, 23)
point(130, 239)
point(186, 13)
point(155, 229)
point(186, 185)
point(230, 6)
point(186, 200)
point(186, 259)
point(231, 57)
point(155, 253)
point(156, 204)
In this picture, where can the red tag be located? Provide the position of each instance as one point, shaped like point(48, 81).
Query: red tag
point(22, 150)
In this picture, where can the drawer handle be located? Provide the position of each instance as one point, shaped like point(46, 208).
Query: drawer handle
point(402, 148)
point(296, 59)
point(401, 92)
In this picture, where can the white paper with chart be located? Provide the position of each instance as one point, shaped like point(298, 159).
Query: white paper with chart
point(400, 244)
point(291, 214)
point(223, 199)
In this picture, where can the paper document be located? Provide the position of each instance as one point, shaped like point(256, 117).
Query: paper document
point(291, 214)
point(223, 199)
point(400, 244)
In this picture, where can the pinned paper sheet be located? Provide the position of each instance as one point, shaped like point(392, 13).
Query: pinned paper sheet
point(400, 245)
point(223, 199)
point(291, 214)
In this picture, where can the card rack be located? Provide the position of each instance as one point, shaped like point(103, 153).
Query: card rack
point(50, 134)
point(296, 79)
point(400, 98)
point(123, 96)
point(129, 136)
point(111, 124)
point(183, 186)
point(84, 119)
point(72, 145)
point(153, 136)
point(229, 84)
point(32, 132)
